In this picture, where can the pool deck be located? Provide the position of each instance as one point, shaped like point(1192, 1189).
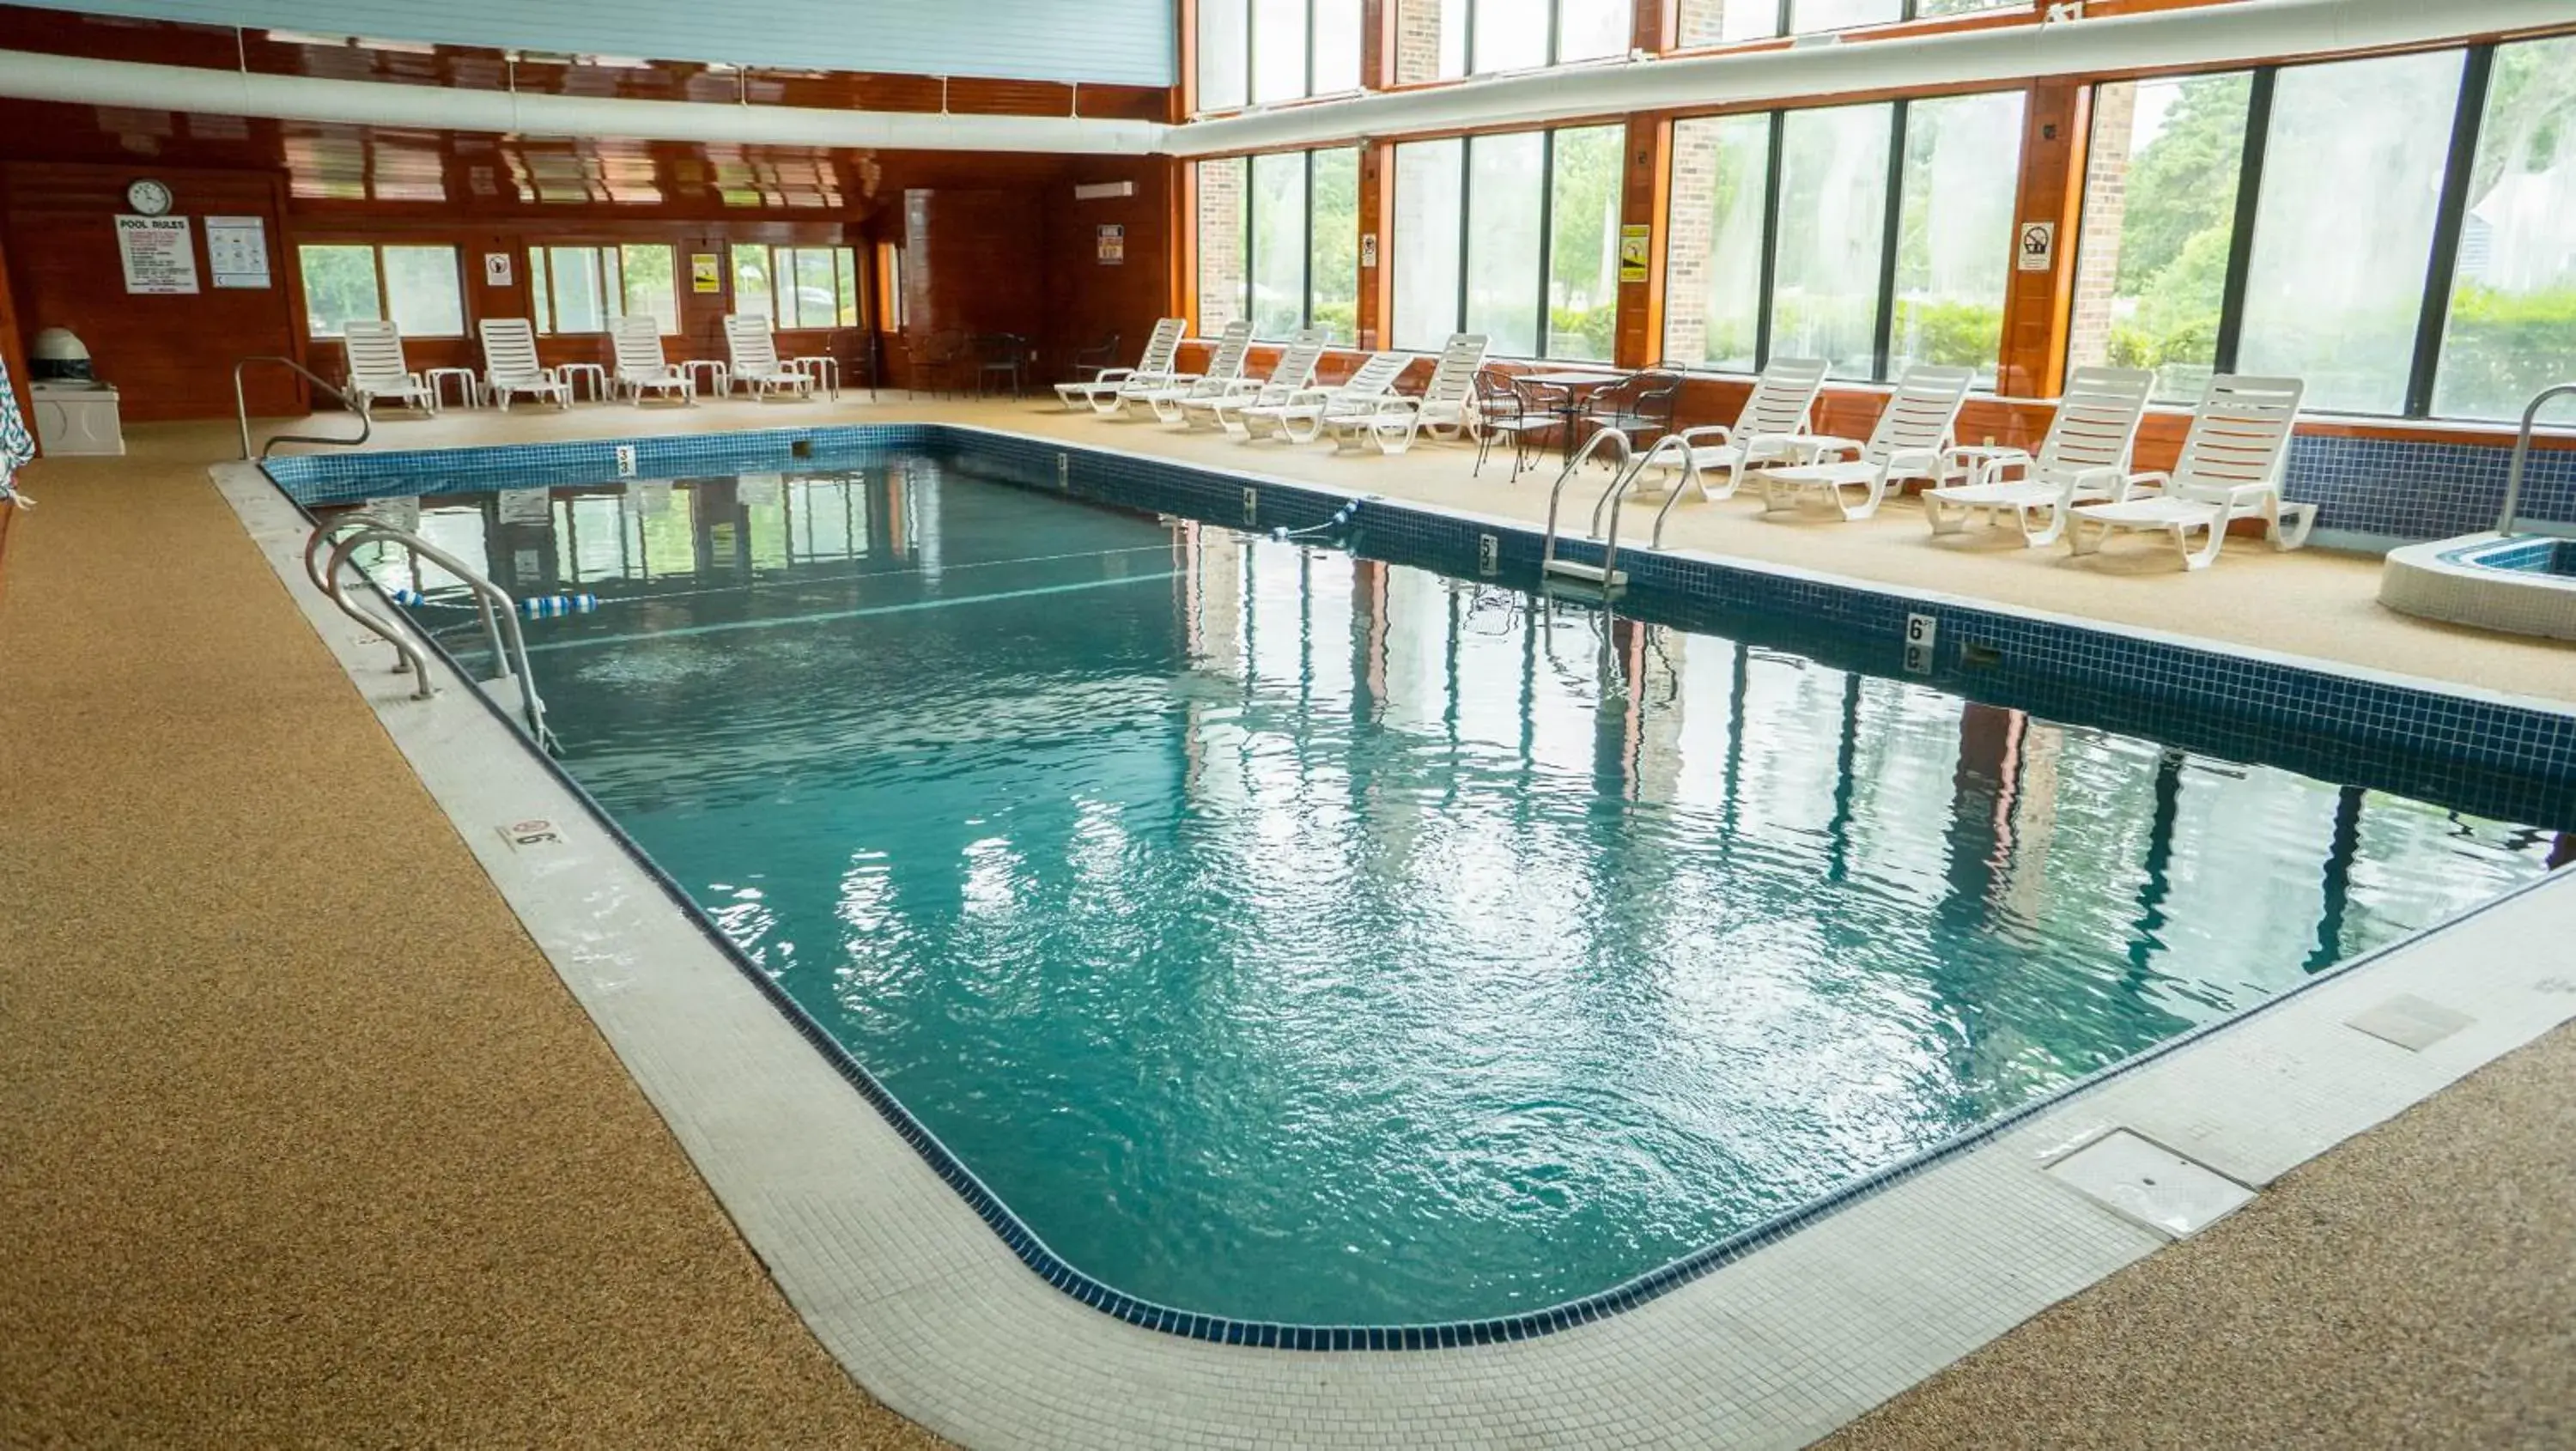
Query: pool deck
point(270, 1198)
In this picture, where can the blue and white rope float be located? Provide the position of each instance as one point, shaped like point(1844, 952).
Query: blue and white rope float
point(1340, 517)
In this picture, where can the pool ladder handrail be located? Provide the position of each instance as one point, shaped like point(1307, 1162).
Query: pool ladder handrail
point(241, 408)
point(1548, 563)
point(500, 613)
point(1622, 479)
point(2522, 454)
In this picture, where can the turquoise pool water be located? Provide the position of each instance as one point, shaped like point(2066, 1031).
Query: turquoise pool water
point(1295, 937)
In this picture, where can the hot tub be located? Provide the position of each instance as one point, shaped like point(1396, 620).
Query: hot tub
point(2521, 583)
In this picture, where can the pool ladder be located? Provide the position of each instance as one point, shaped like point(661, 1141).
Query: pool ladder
point(1606, 577)
point(342, 537)
point(2522, 454)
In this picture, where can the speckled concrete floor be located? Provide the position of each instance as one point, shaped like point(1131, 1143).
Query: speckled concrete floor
point(301, 1140)
point(301, 1143)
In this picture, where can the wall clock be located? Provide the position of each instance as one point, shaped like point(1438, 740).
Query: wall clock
point(151, 198)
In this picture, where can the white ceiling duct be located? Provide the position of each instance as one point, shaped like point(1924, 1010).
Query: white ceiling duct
point(374, 103)
point(2211, 35)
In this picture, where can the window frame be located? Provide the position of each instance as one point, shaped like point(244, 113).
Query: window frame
point(1544, 275)
point(1250, 244)
point(1785, 16)
point(2433, 310)
point(1252, 61)
point(542, 292)
point(848, 267)
point(384, 291)
point(1891, 222)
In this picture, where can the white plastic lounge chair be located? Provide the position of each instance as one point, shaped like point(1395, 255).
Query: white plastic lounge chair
point(754, 355)
point(1224, 367)
point(1444, 405)
point(641, 368)
point(377, 373)
point(2230, 468)
point(510, 365)
point(1224, 406)
point(1910, 441)
point(1301, 417)
point(1154, 370)
point(1773, 428)
point(2083, 460)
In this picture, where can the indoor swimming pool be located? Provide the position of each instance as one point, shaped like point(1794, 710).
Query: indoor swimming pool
point(1286, 935)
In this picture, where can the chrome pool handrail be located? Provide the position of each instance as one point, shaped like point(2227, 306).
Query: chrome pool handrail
point(241, 408)
point(500, 613)
point(1547, 549)
point(2522, 454)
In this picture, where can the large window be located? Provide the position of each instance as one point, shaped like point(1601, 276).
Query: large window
point(1258, 51)
point(416, 287)
point(1954, 232)
point(1445, 39)
point(1832, 228)
point(1514, 236)
point(797, 287)
point(2512, 325)
point(2399, 231)
point(2159, 225)
point(2343, 228)
point(1720, 22)
point(584, 289)
point(1874, 237)
point(1279, 243)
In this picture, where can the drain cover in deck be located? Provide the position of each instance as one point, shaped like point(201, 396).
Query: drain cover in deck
point(2153, 1185)
point(2410, 1022)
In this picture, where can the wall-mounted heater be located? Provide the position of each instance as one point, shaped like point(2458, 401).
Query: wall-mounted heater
point(1099, 191)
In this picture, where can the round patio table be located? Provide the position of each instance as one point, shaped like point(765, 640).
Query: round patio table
point(1578, 389)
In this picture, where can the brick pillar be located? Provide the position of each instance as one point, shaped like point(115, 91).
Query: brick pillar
point(1220, 243)
point(1417, 41)
point(1690, 232)
point(2106, 204)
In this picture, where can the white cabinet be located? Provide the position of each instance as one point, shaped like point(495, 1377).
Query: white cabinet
point(77, 418)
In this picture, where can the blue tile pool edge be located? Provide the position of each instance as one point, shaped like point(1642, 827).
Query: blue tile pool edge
point(1034, 1253)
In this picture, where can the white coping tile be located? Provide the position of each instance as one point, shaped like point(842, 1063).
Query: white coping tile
point(927, 1308)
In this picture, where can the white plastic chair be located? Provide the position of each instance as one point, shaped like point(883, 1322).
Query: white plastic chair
point(1293, 373)
point(1910, 440)
point(1774, 427)
point(378, 372)
point(2230, 468)
point(641, 368)
point(1224, 367)
point(510, 365)
point(1153, 370)
point(753, 352)
point(1445, 405)
point(2083, 460)
point(1302, 415)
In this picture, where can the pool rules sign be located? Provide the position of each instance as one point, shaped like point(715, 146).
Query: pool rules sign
point(160, 254)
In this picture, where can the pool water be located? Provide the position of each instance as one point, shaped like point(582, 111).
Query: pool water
point(1291, 936)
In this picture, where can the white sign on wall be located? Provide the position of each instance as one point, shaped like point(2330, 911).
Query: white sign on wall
point(237, 251)
point(2038, 246)
point(159, 253)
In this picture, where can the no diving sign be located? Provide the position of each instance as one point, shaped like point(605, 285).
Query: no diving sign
point(2037, 247)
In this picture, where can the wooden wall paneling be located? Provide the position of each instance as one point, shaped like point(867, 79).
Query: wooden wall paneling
point(1644, 186)
point(975, 261)
point(1088, 299)
point(2037, 304)
point(171, 356)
